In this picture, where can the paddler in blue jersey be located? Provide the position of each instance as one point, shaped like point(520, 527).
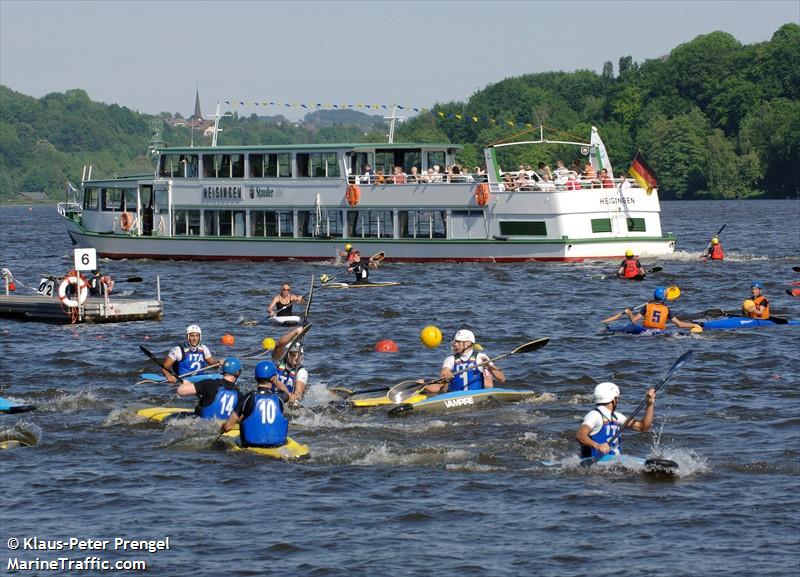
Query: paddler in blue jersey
point(218, 397)
point(260, 412)
point(190, 356)
point(475, 370)
point(601, 424)
point(655, 314)
point(292, 377)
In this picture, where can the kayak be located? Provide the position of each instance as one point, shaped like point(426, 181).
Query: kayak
point(161, 414)
point(346, 285)
point(287, 321)
point(649, 466)
point(159, 378)
point(11, 407)
point(290, 450)
point(742, 322)
point(382, 401)
point(460, 400)
point(633, 329)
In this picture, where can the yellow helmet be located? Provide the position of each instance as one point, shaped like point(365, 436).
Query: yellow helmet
point(348, 247)
point(629, 253)
point(715, 240)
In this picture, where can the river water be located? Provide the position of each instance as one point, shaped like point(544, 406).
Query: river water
point(490, 492)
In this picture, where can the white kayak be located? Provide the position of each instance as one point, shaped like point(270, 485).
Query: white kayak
point(286, 321)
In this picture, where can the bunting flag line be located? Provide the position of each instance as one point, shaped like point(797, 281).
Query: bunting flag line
point(642, 173)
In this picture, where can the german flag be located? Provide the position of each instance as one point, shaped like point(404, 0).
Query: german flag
point(642, 173)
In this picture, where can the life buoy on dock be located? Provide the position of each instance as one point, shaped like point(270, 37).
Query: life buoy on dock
point(482, 194)
point(126, 221)
point(82, 289)
point(353, 195)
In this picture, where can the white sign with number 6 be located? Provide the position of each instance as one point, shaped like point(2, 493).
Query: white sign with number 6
point(85, 259)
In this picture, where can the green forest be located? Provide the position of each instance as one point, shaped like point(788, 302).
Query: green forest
point(714, 119)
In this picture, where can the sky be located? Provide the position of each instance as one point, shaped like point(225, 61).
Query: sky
point(150, 56)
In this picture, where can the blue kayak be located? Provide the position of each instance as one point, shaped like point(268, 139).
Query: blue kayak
point(459, 400)
point(742, 322)
point(11, 407)
point(159, 378)
point(633, 329)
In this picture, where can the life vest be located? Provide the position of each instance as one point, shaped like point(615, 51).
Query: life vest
point(606, 432)
point(632, 267)
point(361, 271)
point(286, 375)
point(472, 377)
point(655, 315)
point(761, 301)
point(284, 310)
point(263, 424)
point(223, 404)
point(192, 359)
point(717, 252)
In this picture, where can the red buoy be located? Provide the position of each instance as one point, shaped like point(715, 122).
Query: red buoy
point(386, 346)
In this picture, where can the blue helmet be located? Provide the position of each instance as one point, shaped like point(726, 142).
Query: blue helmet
point(265, 370)
point(660, 293)
point(756, 284)
point(231, 366)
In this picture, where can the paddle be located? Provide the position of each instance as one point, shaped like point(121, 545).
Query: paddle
point(675, 366)
point(183, 376)
point(707, 251)
point(655, 269)
point(377, 257)
point(157, 361)
point(130, 279)
point(407, 389)
point(308, 302)
point(673, 292)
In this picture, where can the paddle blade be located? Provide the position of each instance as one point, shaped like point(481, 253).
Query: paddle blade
point(656, 269)
point(531, 346)
point(779, 320)
point(675, 366)
point(377, 257)
point(133, 279)
point(405, 390)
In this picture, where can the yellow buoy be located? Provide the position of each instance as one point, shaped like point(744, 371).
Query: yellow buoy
point(268, 343)
point(431, 336)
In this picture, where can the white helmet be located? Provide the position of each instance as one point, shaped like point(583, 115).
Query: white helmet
point(464, 335)
point(605, 393)
point(193, 329)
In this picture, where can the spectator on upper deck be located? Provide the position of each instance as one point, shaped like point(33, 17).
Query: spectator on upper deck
point(436, 175)
point(545, 172)
point(369, 175)
point(508, 182)
point(414, 176)
point(561, 172)
point(589, 172)
point(572, 181)
point(398, 175)
point(576, 166)
point(605, 180)
point(379, 177)
point(454, 174)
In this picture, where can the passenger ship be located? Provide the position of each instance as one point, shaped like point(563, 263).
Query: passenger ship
point(301, 201)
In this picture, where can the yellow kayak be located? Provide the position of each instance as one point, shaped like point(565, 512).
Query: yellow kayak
point(160, 414)
point(381, 401)
point(291, 450)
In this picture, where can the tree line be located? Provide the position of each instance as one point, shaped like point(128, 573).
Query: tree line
point(714, 118)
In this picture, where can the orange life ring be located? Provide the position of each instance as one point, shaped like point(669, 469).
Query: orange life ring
point(83, 289)
point(353, 195)
point(126, 221)
point(482, 194)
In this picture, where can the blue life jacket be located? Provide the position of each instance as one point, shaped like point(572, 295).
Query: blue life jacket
point(222, 406)
point(608, 430)
point(191, 360)
point(471, 379)
point(287, 376)
point(264, 425)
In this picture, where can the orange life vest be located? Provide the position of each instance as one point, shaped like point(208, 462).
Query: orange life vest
point(762, 302)
point(656, 316)
point(631, 268)
point(716, 252)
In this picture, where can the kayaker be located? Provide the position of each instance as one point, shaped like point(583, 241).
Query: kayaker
point(100, 283)
point(291, 375)
point(715, 252)
point(347, 254)
point(601, 424)
point(281, 304)
point(465, 358)
point(218, 397)
point(756, 307)
point(631, 268)
point(190, 356)
point(260, 412)
point(655, 314)
point(360, 269)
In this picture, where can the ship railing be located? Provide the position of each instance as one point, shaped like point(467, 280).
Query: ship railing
point(379, 180)
point(67, 209)
point(524, 182)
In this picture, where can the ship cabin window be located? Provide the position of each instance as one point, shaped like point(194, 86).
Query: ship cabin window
point(329, 223)
point(370, 224)
point(436, 157)
point(177, 165)
point(317, 165)
point(636, 225)
point(118, 199)
point(224, 222)
point(270, 165)
point(91, 197)
point(421, 224)
point(223, 165)
point(186, 223)
point(358, 161)
point(271, 223)
point(405, 158)
point(601, 225)
point(523, 228)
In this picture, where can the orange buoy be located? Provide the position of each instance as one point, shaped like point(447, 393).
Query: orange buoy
point(482, 194)
point(386, 346)
point(126, 221)
point(228, 340)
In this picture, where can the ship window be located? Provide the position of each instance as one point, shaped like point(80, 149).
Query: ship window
point(270, 165)
point(636, 225)
point(421, 224)
point(210, 217)
point(328, 224)
point(177, 165)
point(90, 198)
point(601, 225)
point(218, 165)
point(224, 222)
point(112, 198)
point(271, 223)
point(186, 223)
point(358, 160)
point(256, 166)
point(523, 228)
point(436, 157)
point(237, 165)
point(370, 224)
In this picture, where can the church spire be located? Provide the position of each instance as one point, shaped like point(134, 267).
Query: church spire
point(197, 114)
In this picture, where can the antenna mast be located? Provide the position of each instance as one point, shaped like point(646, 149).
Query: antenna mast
point(217, 118)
